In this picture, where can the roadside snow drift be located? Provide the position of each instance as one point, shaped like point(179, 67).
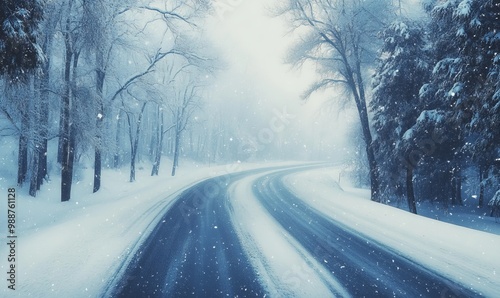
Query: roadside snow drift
point(467, 256)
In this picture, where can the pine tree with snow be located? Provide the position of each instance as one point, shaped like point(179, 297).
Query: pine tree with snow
point(441, 113)
point(19, 51)
point(20, 55)
point(465, 80)
point(403, 68)
point(495, 204)
point(480, 33)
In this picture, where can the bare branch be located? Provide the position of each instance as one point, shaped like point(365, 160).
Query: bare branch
point(170, 15)
point(322, 85)
point(152, 62)
point(11, 120)
point(168, 129)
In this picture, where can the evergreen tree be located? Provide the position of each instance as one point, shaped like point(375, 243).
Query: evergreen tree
point(465, 81)
point(479, 26)
point(441, 168)
point(20, 55)
point(402, 70)
point(19, 51)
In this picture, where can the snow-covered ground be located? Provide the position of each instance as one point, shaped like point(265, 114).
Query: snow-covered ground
point(467, 256)
point(73, 249)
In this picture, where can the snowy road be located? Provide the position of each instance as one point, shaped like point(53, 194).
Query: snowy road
point(194, 251)
point(363, 267)
point(197, 250)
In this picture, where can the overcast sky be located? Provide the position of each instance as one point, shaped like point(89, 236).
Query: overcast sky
point(254, 45)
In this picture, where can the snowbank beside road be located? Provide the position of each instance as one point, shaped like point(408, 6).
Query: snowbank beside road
point(466, 256)
point(72, 249)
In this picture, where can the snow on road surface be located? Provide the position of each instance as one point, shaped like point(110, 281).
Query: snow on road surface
point(286, 269)
point(466, 256)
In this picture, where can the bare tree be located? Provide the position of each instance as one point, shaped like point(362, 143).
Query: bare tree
point(182, 109)
point(135, 118)
point(134, 137)
point(181, 12)
point(71, 34)
point(339, 37)
point(98, 27)
point(39, 170)
point(161, 129)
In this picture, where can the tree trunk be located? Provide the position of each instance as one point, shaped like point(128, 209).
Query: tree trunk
point(159, 146)
point(134, 142)
point(100, 74)
point(67, 162)
point(35, 136)
point(34, 174)
point(22, 156)
point(132, 150)
point(116, 156)
point(134, 155)
point(61, 129)
point(65, 136)
point(481, 186)
point(370, 153)
point(176, 151)
point(97, 169)
point(67, 171)
point(132, 166)
point(42, 163)
point(410, 192)
point(357, 89)
point(156, 165)
point(22, 160)
point(155, 124)
point(44, 104)
point(44, 127)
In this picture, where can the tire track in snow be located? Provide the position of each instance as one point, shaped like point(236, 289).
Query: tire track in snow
point(364, 267)
point(202, 257)
point(195, 251)
point(286, 268)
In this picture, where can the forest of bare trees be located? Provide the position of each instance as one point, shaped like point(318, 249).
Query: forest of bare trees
point(90, 75)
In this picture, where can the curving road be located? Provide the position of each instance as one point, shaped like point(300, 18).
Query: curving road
point(195, 251)
point(364, 267)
